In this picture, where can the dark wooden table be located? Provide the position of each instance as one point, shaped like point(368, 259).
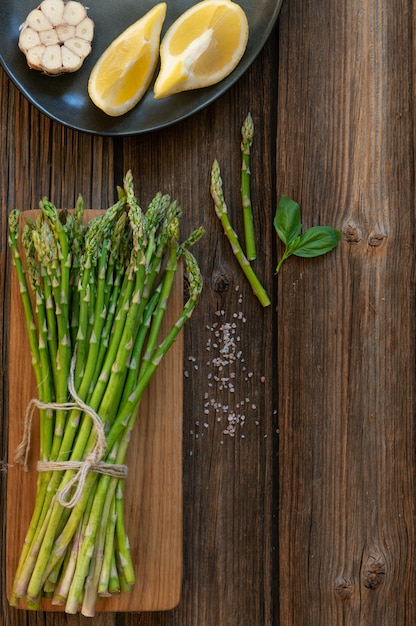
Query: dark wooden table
point(306, 517)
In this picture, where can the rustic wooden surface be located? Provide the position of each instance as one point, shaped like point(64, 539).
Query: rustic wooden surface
point(346, 370)
point(309, 519)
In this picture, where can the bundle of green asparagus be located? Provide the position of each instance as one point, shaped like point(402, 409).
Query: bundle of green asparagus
point(94, 296)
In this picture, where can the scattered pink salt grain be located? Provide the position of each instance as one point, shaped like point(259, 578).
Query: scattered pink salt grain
point(227, 377)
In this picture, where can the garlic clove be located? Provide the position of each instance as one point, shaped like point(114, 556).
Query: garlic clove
point(74, 13)
point(49, 37)
point(70, 60)
point(38, 20)
point(79, 46)
point(29, 38)
point(85, 29)
point(54, 10)
point(65, 31)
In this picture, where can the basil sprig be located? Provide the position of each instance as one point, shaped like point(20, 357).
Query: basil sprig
point(315, 241)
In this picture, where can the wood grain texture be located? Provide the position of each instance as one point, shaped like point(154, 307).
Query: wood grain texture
point(346, 369)
point(229, 545)
point(314, 525)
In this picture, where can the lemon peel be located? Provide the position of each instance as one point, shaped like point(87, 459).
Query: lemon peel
point(124, 71)
point(202, 47)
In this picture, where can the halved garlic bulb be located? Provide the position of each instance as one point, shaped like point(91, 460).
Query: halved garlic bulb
point(56, 37)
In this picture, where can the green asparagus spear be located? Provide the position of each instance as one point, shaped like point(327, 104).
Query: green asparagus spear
point(247, 132)
point(222, 213)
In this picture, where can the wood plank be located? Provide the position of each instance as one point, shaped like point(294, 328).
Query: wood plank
point(229, 545)
point(153, 496)
point(346, 367)
point(230, 551)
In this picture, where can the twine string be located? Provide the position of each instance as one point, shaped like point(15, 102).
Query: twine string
point(93, 460)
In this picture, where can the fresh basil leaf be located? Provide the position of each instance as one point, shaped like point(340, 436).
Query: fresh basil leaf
point(287, 220)
point(316, 240)
point(293, 245)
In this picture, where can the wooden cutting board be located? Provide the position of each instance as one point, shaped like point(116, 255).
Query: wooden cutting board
point(153, 491)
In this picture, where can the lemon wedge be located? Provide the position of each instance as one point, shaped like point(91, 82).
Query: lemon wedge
point(124, 71)
point(201, 47)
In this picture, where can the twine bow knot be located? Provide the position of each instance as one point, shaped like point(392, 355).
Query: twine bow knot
point(91, 463)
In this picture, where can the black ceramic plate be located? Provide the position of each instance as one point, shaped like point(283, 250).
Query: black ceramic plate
point(65, 98)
